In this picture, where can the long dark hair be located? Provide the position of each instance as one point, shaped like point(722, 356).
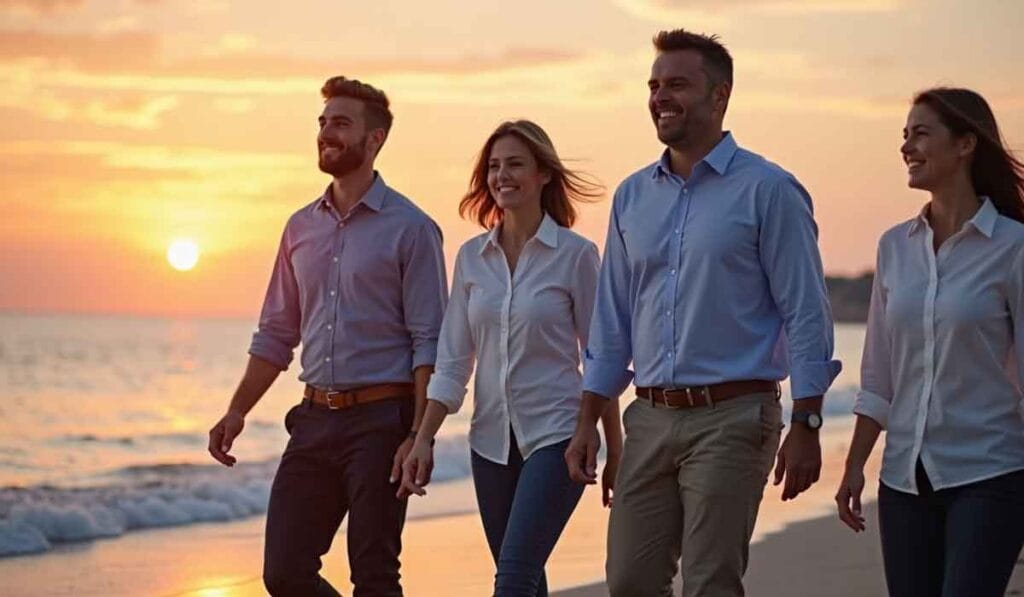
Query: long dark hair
point(565, 188)
point(995, 172)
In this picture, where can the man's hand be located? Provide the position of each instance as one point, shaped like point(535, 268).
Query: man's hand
point(848, 498)
point(799, 461)
point(223, 434)
point(416, 470)
point(581, 455)
point(396, 463)
point(611, 468)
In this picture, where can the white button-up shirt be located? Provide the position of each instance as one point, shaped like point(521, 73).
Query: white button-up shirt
point(524, 329)
point(944, 353)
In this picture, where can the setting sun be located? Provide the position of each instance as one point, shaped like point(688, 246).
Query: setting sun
point(183, 254)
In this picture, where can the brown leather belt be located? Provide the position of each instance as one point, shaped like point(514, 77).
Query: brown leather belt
point(706, 395)
point(335, 400)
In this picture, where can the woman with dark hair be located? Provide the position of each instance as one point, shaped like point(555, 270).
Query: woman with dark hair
point(943, 362)
point(522, 296)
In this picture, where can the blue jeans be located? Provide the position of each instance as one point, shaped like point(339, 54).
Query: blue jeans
point(524, 506)
point(952, 542)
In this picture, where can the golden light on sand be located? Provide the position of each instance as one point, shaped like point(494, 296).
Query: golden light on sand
point(183, 254)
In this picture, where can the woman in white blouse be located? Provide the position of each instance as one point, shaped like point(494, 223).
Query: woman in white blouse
point(943, 362)
point(522, 296)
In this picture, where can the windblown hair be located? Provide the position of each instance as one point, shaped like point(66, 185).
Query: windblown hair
point(995, 172)
point(565, 188)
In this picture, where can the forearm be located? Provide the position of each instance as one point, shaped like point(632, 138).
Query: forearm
point(612, 425)
point(421, 377)
point(433, 417)
point(258, 377)
point(592, 406)
point(811, 405)
point(865, 434)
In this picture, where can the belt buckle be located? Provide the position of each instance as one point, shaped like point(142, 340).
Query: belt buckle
point(330, 399)
point(664, 397)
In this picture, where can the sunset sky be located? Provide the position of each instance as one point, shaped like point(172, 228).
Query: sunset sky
point(127, 124)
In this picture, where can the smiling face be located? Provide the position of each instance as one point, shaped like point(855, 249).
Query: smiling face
point(514, 177)
point(932, 153)
point(343, 143)
point(684, 105)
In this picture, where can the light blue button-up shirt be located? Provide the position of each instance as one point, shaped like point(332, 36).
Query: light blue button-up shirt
point(711, 279)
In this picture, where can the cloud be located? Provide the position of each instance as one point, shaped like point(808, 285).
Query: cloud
point(722, 10)
point(39, 6)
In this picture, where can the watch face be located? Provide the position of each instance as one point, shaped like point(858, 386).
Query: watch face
point(814, 421)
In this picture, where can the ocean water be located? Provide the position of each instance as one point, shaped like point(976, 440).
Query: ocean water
point(104, 422)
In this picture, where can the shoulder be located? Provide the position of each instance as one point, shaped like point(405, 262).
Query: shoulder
point(574, 242)
point(409, 214)
point(635, 181)
point(895, 237)
point(472, 247)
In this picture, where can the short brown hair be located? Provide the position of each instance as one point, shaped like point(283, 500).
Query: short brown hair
point(376, 107)
point(717, 61)
point(558, 195)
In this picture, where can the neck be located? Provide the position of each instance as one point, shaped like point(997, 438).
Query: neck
point(347, 190)
point(519, 225)
point(953, 203)
point(683, 158)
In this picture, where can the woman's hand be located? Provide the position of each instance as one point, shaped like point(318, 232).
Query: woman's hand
point(848, 498)
point(416, 469)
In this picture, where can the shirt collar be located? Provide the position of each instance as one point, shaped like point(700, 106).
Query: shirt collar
point(547, 234)
point(373, 198)
point(984, 220)
point(718, 158)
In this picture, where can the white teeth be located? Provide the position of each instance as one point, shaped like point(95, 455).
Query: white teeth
point(506, 189)
point(666, 114)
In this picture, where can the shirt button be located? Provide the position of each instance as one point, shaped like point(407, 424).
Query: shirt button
point(673, 272)
point(330, 327)
point(328, 359)
point(341, 224)
point(335, 260)
point(332, 293)
point(669, 312)
point(678, 231)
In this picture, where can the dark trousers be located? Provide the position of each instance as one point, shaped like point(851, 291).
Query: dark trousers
point(956, 542)
point(337, 462)
point(524, 506)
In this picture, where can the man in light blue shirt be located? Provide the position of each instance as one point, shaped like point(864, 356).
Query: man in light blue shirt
point(712, 286)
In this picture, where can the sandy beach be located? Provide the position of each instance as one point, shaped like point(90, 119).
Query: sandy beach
point(800, 549)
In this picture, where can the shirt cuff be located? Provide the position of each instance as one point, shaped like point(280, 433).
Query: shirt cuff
point(872, 405)
point(605, 377)
point(424, 354)
point(272, 350)
point(447, 391)
point(808, 380)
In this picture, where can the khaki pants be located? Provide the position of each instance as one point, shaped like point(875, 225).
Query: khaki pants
point(689, 485)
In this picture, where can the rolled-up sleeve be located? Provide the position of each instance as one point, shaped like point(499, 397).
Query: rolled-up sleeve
point(455, 352)
point(609, 346)
point(874, 398)
point(279, 330)
point(792, 263)
point(424, 292)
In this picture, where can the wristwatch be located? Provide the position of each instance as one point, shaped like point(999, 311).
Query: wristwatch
point(811, 419)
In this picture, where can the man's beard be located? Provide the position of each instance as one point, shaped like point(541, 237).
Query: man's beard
point(347, 161)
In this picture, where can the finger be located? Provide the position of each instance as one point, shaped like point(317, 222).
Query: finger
point(426, 471)
point(572, 460)
point(421, 475)
point(396, 468)
point(856, 503)
point(591, 461)
point(215, 447)
point(789, 489)
point(780, 468)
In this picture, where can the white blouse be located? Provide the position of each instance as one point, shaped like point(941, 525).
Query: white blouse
point(944, 353)
point(525, 330)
